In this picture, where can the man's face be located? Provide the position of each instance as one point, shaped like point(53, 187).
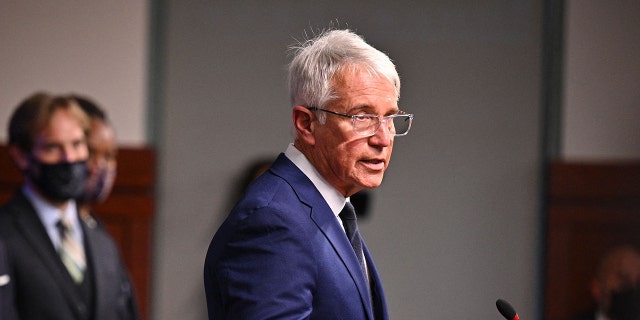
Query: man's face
point(621, 271)
point(102, 161)
point(348, 161)
point(62, 140)
point(102, 146)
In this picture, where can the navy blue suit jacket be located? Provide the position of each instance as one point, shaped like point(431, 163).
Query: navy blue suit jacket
point(281, 254)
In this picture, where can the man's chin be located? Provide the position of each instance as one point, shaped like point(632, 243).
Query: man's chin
point(371, 183)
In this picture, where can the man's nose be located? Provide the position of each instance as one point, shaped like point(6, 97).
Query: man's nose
point(384, 134)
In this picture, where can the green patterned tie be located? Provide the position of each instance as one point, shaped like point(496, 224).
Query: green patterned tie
point(71, 251)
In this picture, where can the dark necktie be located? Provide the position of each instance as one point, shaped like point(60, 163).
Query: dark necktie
point(348, 217)
point(71, 251)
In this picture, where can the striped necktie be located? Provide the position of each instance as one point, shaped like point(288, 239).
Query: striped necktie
point(71, 251)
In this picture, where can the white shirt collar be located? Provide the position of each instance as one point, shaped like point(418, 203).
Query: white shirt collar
point(600, 315)
point(334, 199)
point(50, 215)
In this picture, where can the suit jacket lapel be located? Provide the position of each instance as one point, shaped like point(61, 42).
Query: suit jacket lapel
point(31, 228)
point(97, 254)
point(377, 293)
point(326, 221)
point(336, 236)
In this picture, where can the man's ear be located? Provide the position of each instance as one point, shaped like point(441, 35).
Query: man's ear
point(596, 290)
point(20, 158)
point(304, 124)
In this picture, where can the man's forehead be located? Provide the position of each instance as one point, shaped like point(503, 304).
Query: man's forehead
point(60, 125)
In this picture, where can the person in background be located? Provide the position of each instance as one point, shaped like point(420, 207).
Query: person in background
point(102, 165)
point(616, 286)
point(103, 152)
point(290, 248)
point(64, 265)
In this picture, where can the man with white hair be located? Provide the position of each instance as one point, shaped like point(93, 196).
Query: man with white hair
point(290, 248)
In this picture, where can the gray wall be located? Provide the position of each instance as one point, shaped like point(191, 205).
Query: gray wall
point(455, 224)
point(601, 101)
point(96, 48)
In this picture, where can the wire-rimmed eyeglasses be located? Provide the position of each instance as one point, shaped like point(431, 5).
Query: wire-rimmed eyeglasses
point(367, 125)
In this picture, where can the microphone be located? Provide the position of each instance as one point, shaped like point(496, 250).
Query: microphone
point(506, 310)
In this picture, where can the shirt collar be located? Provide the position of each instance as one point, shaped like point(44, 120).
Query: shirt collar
point(600, 315)
point(334, 199)
point(50, 214)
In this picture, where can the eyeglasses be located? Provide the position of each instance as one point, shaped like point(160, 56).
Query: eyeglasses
point(367, 125)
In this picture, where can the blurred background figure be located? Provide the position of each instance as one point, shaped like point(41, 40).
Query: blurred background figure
point(254, 169)
point(615, 287)
point(63, 264)
point(103, 151)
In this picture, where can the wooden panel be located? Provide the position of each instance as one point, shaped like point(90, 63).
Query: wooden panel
point(127, 214)
point(579, 182)
point(591, 208)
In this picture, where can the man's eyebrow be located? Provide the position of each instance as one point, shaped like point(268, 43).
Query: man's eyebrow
point(49, 144)
point(369, 109)
point(395, 111)
point(362, 107)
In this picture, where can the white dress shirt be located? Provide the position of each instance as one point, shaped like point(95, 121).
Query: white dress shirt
point(334, 199)
point(50, 215)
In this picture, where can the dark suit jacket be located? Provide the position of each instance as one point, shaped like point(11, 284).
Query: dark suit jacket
point(44, 289)
point(589, 315)
point(6, 287)
point(281, 254)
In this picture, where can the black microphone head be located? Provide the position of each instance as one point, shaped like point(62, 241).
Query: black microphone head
point(506, 310)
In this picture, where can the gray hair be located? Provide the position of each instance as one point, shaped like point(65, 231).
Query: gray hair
point(317, 61)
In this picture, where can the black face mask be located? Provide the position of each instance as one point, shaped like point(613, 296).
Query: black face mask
point(625, 304)
point(59, 181)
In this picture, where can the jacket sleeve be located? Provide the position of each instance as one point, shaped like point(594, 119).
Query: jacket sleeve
point(266, 269)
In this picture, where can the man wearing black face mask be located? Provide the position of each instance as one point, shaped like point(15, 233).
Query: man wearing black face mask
point(616, 286)
point(64, 266)
point(620, 280)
